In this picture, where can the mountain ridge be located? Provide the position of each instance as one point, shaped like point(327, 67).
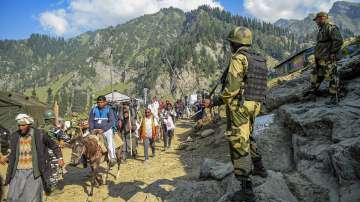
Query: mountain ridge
point(168, 52)
point(345, 14)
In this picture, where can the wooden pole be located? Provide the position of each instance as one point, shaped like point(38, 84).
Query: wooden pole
point(130, 131)
point(56, 112)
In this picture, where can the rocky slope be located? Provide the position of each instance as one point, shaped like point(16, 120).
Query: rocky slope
point(322, 142)
point(311, 150)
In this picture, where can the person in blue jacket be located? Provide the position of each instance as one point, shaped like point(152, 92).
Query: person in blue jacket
point(101, 121)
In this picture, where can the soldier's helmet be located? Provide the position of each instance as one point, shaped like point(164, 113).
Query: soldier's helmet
point(240, 35)
point(49, 114)
point(321, 14)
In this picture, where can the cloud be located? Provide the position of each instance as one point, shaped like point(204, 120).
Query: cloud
point(54, 21)
point(83, 15)
point(272, 10)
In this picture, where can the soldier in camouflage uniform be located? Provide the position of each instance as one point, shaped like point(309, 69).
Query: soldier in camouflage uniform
point(328, 44)
point(244, 89)
point(57, 135)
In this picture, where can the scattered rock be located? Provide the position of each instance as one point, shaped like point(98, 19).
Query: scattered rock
point(207, 133)
point(195, 191)
point(215, 170)
point(144, 197)
point(189, 139)
point(190, 148)
point(182, 146)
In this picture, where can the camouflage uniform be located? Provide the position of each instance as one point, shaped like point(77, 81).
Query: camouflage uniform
point(244, 88)
point(56, 171)
point(242, 115)
point(328, 41)
point(57, 135)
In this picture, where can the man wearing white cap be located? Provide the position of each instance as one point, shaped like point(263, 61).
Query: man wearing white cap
point(29, 169)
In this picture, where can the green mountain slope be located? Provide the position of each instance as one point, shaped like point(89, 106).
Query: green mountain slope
point(170, 52)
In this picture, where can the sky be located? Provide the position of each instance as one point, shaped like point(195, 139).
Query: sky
point(68, 18)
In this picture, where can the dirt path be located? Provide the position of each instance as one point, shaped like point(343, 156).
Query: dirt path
point(135, 175)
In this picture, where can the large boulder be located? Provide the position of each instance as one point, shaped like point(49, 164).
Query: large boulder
point(345, 160)
point(317, 120)
point(196, 191)
point(304, 190)
point(289, 92)
point(274, 189)
point(275, 146)
point(350, 193)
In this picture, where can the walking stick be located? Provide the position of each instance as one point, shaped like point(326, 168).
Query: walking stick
point(130, 132)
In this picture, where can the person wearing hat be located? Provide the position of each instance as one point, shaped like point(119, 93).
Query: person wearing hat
point(328, 44)
point(244, 85)
point(53, 130)
point(59, 137)
point(28, 172)
point(101, 122)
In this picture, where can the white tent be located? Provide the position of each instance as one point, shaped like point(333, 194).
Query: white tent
point(118, 97)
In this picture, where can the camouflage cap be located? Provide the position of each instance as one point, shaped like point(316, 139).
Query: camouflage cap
point(321, 14)
point(240, 35)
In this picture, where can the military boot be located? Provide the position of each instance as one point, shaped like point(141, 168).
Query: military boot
point(311, 94)
point(246, 194)
point(259, 168)
point(332, 101)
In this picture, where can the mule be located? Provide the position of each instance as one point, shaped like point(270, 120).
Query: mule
point(89, 148)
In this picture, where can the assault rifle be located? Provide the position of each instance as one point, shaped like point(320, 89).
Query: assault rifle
point(220, 81)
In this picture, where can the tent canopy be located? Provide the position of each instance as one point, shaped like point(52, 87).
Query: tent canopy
point(11, 104)
point(118, 97)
